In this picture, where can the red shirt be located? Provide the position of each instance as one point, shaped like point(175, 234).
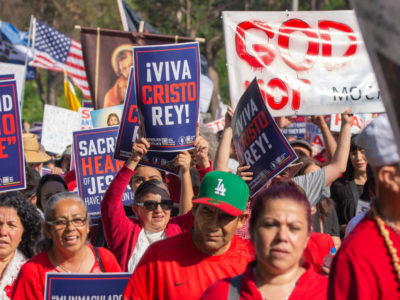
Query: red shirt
point(310, 286)
point(319, 245)
point(30, 283)
point(175, 269)
point(362, 268)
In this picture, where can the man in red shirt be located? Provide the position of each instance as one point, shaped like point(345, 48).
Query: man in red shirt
point(367, 264)
point(183, 266)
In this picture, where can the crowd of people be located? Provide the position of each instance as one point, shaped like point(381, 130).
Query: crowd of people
point(184, 239)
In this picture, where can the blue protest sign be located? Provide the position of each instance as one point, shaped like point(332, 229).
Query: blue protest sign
point(12, 170)
point(167, 83)
point(258, 141)
point(95, 166)
point(129, 127)
point(297, 128)
point(107, 286)
point(160, 160)
point(7, 77)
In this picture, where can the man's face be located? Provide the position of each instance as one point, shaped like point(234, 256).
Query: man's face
point(213, 229)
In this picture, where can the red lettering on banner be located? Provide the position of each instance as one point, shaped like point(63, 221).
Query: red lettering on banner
point(130, 114)
point(119, 164)
point(2, 147)
point(169, 93)
point(317, 141)
point(87, 168)
point(97, 165)
point(324, 27)
point(262, 60)
point(286, 29)
point(8, 123)
point(253, 129)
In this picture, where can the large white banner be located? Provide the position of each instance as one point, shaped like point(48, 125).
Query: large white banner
point(306, 63)
point(58, 125)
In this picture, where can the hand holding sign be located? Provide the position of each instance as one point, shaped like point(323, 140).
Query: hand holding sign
point(201, 152)
point(139, 149)
point(183, 160)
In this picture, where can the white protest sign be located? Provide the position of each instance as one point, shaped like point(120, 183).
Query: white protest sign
point(19, 73)
point(358, 123)
point(380, 24)
point(216, 125)
point(306, 63)
point(206, 90)
point(58, 125)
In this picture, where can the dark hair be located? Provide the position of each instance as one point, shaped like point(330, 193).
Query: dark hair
point(29, 217)
point(152, 186)
point(162, 174)
point(47, 178)
point(112, 115)
point(279, 188)
point(306, 163)
point(32, 180)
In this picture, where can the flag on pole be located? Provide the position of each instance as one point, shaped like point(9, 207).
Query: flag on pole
point(57, 52)
point(13, 44)
point(72, 101)
point(131, 20)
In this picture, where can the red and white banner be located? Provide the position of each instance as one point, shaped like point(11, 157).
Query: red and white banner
point(358, 124)
point(306, 62)
point(216, 126)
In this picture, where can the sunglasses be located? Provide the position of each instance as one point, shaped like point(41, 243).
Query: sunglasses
point(151, 205)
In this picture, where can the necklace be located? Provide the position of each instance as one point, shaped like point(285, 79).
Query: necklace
point(60, 266)
point(388, 242)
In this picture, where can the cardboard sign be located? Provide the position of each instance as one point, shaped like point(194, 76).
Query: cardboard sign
point(258, 141)
point(86, 119)
point(300, 59)
point(129, 128)
point(104, 286)
point(12, 166)
point(167, 82)
point(95, 166)
point(58, 125)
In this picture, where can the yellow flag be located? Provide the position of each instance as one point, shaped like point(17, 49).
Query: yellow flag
point(72, 101)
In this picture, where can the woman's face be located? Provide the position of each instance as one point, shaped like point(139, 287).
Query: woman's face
point(11, 230)
point(49, 189)
point(113, 121)
point(68, 237)
point(155, 220)
point(280, 236)
point(359, 160)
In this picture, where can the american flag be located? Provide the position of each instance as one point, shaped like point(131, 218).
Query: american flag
point(57, 52)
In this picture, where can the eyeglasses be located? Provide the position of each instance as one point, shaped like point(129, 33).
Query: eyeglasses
point(151, 205)
point(62, 223)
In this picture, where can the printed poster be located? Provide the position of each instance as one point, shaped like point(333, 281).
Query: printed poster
point(95, 167)
point(101, 286)
point(12, 164)
point(258, 141)
point(167, 83)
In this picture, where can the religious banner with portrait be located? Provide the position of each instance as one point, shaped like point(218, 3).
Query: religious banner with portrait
point(108, 58)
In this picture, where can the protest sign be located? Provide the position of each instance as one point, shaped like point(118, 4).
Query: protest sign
point(12, 170)
point(58, 125)
point(300, 60)
point(380, 25)
point(86, 119)
point(95, 167)
point(167, 83)
point(357, 125)
point(19, 73)
point(87, 103)
point(45, 171)
point(161, 160)
point(297, 128)
point(258, 141)
point(7, 77)
point(101, 286)
point(104, 117)
point(216, 125)
point(313, 135)
point(129, 128)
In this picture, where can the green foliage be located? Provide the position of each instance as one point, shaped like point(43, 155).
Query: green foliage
point(32, 109)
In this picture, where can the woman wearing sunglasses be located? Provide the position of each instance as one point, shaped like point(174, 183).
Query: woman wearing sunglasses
point(66, 227)
point(128, 239)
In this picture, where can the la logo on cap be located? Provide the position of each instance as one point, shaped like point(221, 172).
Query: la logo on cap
point(220, 189)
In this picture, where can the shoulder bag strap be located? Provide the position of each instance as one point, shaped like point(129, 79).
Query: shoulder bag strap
point(96, 250)
point(234, 287)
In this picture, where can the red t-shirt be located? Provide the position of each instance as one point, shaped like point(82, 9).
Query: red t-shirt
point(31, 279)
point(175, 269)
point(362, 268)
point(319, 245)
point(310, 286)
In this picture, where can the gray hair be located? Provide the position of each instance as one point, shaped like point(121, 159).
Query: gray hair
point(53, 200)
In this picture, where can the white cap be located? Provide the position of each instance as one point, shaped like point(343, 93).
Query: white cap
point(378, 142)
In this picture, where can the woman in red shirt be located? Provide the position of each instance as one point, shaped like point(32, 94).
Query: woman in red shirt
point(280, 227)
point(66, 228)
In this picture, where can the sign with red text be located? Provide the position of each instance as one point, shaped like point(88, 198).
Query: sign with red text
point(216, 126)
point(258, 141)
point(19, 75)
point(297, 128)
point(357, 125)
point(307, 63)
point(95, 166)
point(86, 119)
point(167, 83)
point(12, 165)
